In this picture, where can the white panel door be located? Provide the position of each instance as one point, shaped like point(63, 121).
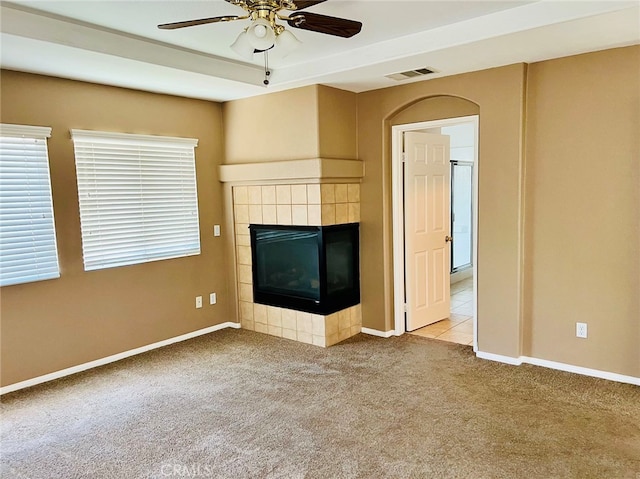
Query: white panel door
point(427, 223)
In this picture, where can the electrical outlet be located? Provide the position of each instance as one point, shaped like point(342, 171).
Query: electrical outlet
point(581, 330)
point(213, 298)
point(198, 301)
point(216, 230)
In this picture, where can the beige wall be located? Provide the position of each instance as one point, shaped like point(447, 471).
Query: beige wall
point(583, 210)
point(434, 108)
point(310, 122)
point(55, 324)
point(498, 95)
point(582, 177)
point(540, 221)
point(539, 268)
point(273, 127)
point(337, 122)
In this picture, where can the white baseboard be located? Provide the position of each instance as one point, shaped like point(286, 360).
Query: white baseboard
point(373, 332)
point(380, 334)
point(499, 358)
point(116, 357)
point(596, 373)
point(570, 368)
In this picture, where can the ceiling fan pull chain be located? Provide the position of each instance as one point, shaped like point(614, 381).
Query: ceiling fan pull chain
point(267, 72)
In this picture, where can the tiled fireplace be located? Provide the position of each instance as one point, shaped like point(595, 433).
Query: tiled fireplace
point(301, 204)
point(310, 192)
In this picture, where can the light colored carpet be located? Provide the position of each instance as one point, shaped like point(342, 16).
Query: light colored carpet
point(238, 404)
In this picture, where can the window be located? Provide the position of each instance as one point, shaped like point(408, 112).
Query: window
point(138, 198)
point(28, 249)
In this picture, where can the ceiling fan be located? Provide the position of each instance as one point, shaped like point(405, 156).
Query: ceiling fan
point(264, 33)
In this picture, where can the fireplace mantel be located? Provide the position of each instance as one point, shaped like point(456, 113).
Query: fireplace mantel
point(309, 170)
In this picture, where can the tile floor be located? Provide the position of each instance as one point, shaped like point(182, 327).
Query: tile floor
point(458, 327)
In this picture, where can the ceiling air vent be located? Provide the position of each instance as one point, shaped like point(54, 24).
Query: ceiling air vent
point(411, 74)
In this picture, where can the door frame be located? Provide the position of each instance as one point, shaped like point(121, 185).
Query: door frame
point(397, 205)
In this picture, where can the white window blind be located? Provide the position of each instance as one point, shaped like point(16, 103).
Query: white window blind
point(138, 198)
point(28, 250)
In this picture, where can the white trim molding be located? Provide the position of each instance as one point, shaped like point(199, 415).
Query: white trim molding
point(380, 334)
point(499, 358)
point(596, 373)
point(570, 368)
point(116, 357)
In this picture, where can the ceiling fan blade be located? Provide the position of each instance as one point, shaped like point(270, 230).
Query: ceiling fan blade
point(340, 27)
point(201, 21)
point(300, 4)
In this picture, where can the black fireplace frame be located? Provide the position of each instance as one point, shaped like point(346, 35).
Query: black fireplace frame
point(329, 302)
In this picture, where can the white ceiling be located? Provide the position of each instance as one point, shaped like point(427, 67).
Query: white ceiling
point(118, 43)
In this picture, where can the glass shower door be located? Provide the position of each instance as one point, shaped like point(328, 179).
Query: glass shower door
point(461, 214)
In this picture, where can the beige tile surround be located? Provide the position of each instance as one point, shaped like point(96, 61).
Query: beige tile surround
point(313, 204)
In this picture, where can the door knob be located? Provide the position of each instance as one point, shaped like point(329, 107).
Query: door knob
point(448, 239)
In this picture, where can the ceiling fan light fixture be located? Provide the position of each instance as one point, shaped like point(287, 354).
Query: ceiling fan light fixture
point(260, 31)
point(286, 42)
point(264, 33)
point(261, 34)
point(243, 47)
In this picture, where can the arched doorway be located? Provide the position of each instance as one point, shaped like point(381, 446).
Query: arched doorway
point(403, 122)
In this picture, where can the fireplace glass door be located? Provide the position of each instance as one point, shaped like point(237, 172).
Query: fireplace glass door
point(307, 268)
point(287, 262)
